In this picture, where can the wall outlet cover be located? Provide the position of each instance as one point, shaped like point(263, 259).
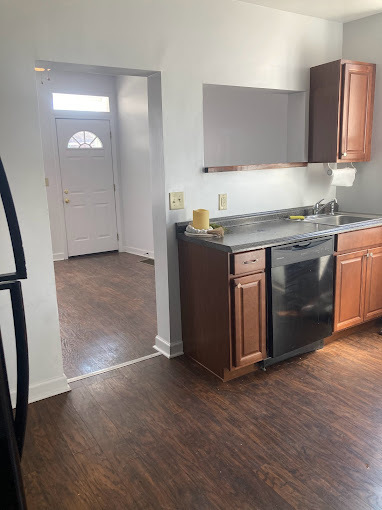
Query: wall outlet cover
point(222, 201)
point(176, 200)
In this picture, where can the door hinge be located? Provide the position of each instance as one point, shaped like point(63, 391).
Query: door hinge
point(117, 237)
point(114, 187)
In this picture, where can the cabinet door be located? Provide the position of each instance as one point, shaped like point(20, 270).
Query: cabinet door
point(357, 111)
point(349, 289)
point(249, 336)
point(373, 295)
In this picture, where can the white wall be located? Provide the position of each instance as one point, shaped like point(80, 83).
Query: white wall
point(363, 41)
point(135, 184)
point(191, 42)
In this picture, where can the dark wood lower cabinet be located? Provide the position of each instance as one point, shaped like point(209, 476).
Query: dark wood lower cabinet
point(358, 292)
point(249, 311)
point(223, 314)
point(223, 299)
point(373, 293)
point(350, 289)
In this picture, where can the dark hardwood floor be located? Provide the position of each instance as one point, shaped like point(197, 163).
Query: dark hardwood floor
point(163, 434)
point(107, 310)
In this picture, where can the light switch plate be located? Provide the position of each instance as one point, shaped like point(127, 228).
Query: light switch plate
point(176, 200)
point(222, 201)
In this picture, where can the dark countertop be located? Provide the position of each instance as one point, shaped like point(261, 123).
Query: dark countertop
point(249, 232)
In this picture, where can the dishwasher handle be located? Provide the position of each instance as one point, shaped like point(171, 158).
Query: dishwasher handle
point(302, 246)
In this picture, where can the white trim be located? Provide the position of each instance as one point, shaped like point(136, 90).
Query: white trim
point(138, 251)
point(58, 256)
point(115, 367)
point(169, 350)
point(44, 389)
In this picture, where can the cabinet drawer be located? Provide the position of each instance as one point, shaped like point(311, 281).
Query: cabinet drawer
point(359, 239)
point(248, 262)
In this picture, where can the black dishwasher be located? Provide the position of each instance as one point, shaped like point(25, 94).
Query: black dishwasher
point(301, 297)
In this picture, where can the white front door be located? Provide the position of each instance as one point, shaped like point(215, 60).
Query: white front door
point(86, 165)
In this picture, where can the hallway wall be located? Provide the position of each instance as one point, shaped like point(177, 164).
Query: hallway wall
point(134, 154)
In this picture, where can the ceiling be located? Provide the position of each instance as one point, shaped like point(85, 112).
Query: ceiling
point(334, 10)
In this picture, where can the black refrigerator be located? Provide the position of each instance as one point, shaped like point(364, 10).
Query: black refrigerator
point(13, 424)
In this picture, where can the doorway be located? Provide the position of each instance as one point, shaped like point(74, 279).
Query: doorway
point(97, 163)
point(86, 167)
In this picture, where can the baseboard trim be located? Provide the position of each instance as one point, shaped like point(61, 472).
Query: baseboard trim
point(137, 251)
point(169, 350)
point(58, 256)
point(44, 389)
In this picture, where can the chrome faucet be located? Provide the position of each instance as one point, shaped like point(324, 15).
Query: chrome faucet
point(317, 207)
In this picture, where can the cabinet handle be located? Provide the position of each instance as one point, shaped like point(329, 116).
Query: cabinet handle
point(250, 261)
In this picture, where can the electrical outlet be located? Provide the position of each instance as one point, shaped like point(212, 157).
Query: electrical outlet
point(222, 201)
point(177, 200)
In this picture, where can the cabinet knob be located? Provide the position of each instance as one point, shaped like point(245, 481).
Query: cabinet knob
point(239, 286)
point(345, 154)
point(67, 200)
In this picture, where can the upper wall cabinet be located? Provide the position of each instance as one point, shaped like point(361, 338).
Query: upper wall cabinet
point(341, 111)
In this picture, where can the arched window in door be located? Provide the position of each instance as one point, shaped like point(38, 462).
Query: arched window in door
point(85, 140)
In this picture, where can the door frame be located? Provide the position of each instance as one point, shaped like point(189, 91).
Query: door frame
point(59, 114)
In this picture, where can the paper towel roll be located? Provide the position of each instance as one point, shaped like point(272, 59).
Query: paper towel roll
point(343, 176)
point(201, 219)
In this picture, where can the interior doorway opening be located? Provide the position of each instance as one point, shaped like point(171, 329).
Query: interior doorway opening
point(95, 133)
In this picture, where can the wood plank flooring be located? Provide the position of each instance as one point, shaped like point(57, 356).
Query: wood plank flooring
point(166, 434)
point(107, 310)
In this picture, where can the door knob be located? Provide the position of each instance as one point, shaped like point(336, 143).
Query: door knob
point(67, 200)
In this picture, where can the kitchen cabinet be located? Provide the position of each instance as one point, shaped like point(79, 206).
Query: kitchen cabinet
point(223, 306)
point(373, 292)
point(349, 290)
point(358, 286)
point(249, 319)
point(341, 111)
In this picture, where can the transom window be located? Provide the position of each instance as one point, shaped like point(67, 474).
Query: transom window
point(85, 140)
point(81, 103)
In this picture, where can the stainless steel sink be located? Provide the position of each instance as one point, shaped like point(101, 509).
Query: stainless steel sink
point(337, 219)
